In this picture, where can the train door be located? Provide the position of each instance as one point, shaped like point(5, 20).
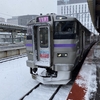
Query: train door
point(43, 47)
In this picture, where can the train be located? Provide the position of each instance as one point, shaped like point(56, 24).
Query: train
point(55, 44)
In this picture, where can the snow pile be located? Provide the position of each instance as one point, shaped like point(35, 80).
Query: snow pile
point(87, 80)
point(97, 52)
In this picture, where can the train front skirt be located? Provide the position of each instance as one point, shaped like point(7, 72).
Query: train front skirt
point(62, 77)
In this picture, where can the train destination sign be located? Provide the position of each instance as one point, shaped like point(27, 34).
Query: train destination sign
point(43, 19)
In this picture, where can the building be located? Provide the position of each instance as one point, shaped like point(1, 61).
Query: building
point(78, 9)
point(2, 19)
point(75, 1)
point(21, 20)
point(59, 2)
point(17, 20)
point(13, 20)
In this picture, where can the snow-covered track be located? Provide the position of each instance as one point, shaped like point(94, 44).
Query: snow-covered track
point(35, 92)
point(12, 58)
point(55, 92)
point(30, 91)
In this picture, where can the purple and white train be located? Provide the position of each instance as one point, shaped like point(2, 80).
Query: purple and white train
point(55, 44)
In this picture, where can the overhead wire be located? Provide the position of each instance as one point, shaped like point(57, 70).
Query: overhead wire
point(5, 14)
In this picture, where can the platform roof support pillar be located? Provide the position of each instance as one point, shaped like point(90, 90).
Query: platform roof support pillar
point(13, 34)
point(12, 37)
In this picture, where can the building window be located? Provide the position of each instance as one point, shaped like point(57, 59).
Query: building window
point(85, 7)
point(88, 25)
point(88, 18)
point(87, 10)
point(67, 9)
point(64, 9)
point(82, 8)
point(91, 27)
point(70, 9)
point(82, 17)
point(85, 18)
point(79, 8)
point(79, 17)
point(73, 8)
point(84, 24)
point(61, 10)
point(76, 8)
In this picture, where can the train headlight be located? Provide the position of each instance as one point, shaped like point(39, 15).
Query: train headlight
point(62, 54)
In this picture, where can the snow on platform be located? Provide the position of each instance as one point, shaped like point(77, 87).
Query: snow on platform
point(86, 85)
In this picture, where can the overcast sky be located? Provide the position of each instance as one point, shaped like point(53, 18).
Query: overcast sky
point(9, 8)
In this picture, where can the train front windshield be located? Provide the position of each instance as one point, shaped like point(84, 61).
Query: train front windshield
point(64, 30)
point(64, 27)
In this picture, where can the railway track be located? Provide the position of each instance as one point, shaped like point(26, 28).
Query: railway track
point(40, 90)
point(11, 58)
point(30, 91)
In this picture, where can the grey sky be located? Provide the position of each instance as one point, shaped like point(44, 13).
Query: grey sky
point(9, 8)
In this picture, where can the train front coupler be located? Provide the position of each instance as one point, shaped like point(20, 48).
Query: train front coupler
point(44, 72)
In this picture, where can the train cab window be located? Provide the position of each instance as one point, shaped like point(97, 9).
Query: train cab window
point(64, 30)
point(43, 37)
point(66, 27)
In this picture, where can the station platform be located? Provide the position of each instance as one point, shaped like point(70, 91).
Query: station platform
point(87, 82)
point(7, 50)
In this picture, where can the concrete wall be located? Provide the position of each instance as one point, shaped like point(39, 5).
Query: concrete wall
point(9, 53)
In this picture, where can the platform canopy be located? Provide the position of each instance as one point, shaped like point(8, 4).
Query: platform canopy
point(94, 7)
point(5, 27)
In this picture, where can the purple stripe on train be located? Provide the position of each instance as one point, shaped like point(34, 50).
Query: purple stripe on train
point(28, 45)
point(57, 45)
point(64, 45)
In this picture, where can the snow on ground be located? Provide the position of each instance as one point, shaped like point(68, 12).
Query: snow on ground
point(63, 92)
point(46, 91)
point(43, 92)
point(87, 80)
point(88, 74)
point(15, 81)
